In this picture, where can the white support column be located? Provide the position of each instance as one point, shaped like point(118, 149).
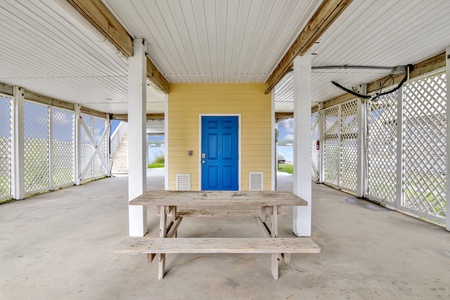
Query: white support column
point(274, 146)
point(361, 166)
point(448, 142)
point(137, 143)
point(18, 149)
point(77, 145)
point(50, 147)
point(166, 142)
point(108, 144)
point(302, 143)
point(399, 184)
point(321, 129)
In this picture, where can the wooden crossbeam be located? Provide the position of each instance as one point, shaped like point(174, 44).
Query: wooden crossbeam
point(124, 117)
point(106, 23)
point(325, 15)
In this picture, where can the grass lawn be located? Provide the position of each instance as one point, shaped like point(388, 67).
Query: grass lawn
point(286, 168)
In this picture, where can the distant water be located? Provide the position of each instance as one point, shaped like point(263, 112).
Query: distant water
point(287, 152)
point(154, 152)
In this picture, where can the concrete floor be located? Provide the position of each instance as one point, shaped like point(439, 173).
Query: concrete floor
point(60, 246)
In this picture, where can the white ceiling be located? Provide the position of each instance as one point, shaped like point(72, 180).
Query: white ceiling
point(48, 48)
point(215, 40)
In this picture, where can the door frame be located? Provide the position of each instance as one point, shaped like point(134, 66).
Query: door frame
point(200, 146)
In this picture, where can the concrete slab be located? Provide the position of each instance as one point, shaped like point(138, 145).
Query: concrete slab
point(60, 246)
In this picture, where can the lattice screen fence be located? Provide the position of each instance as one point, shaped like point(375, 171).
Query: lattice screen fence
point(36, 147)
point(411, 178)
point(340, 145)
point(382, 148)
point(5, 147)
point(424, 145)
point(94, 139)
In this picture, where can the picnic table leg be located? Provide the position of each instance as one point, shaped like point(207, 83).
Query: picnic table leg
point(274, 233)
point(162, 234)
point(174, 218)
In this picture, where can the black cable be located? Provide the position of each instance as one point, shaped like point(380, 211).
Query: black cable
point(374, 98)
point(350, 91)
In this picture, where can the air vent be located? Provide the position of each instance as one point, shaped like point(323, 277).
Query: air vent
point(256, 181)
point(183, 182)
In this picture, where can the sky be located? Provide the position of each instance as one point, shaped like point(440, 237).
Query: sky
point(286, 129)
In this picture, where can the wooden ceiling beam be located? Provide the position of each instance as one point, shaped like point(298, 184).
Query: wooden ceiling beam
point(96, 13)
point(124, 117)
point(325, 15)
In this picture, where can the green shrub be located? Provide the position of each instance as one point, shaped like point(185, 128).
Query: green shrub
point(286, 168)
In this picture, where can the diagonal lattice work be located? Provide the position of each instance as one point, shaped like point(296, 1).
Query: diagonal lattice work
point(349, 145)
point(87, 150)
point(424, 145)
point(382, 148)
point(99, 168)
point(314, 149)
point(62, 146)
point(36, 147)
point(5, 147)
point(94, 156)
point(331, 145)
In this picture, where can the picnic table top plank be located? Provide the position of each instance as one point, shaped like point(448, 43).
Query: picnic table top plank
point(222, 198)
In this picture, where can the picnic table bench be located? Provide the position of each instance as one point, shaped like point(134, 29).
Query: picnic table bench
point(267, 203)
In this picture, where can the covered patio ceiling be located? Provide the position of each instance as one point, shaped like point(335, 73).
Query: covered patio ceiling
point(51, 49)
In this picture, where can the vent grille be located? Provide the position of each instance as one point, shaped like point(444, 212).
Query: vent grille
point(183, 182)
point(256, 181)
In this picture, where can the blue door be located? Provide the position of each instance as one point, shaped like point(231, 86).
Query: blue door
point(220, 153)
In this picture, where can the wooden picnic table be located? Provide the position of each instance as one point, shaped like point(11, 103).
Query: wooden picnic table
point(268, 204)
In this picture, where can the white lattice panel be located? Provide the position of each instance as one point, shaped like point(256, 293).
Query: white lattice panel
point(36, 147)
point(424, 145)
point(5, 147)
point(99, 168)
point(87, 150)
point(62, 146)
point(349, 145)
point(94, 156)
point(382, 148)
point(314, 149)
point(331, 145)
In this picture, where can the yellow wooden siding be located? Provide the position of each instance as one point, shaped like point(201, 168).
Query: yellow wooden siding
point(188, 101)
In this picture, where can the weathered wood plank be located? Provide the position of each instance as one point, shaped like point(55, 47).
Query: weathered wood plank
point(222, 212)
point(218, 199)
point(265, 231)
point(124, 117)
point(324, 16)
point(6, 89)
point(101, 18)
point(145, 245)
point(157, 77)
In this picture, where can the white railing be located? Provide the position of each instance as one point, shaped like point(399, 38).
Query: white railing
point(117, 136)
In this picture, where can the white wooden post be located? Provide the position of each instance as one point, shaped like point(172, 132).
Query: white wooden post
point(302, 143)
point(399, 184)
point(77, 145)
point(361, 166)
point(108, 145)
point(18, 141)
point(274, 146)
point(448, 142)
point(137, 144)
point(166, 142)
point(321, 129)
point(50, 147)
